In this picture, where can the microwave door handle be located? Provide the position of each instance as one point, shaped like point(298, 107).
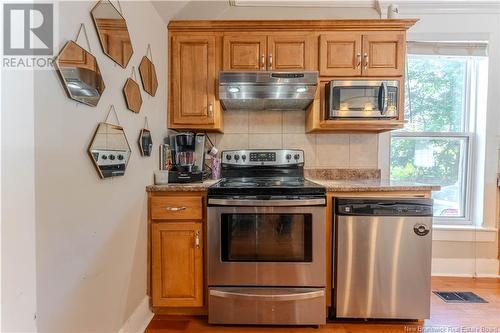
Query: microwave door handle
point(382, 100)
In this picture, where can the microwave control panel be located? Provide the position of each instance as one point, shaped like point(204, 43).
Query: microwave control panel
point(392, 96)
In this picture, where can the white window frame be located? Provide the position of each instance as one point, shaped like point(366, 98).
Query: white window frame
point(469, 132)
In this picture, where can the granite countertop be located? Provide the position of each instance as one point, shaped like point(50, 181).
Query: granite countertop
point(369, 185)
point(338, 185)
point(335, 180)
point(187, 187)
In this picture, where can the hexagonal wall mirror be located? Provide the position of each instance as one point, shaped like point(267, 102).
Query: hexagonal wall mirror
point(80, 74)
point(145, 142)
point(148, 76)
point(113, 32)
point(132, 94)
point(109, 150)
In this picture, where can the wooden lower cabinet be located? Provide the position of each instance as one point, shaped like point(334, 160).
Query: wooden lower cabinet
point(176, 261)
point(177, 264)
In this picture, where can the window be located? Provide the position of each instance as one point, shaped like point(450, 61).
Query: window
point(436, 145)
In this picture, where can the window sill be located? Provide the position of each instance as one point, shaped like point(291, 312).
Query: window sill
point(463, 233)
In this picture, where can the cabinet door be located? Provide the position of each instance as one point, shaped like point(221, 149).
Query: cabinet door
point(193, 80)
point(244, 52)
point(340, 54)
point(177, 273)
point(383, 54)
point(290, 52)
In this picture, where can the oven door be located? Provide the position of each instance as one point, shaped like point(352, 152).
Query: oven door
point(363, 99)
point(266, 243)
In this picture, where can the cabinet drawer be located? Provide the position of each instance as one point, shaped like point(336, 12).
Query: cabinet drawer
point(177, 208)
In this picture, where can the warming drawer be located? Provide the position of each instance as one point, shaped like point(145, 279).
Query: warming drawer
point(276, 306)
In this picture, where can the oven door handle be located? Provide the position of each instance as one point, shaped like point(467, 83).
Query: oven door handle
point(268, 297)
point(267, 203)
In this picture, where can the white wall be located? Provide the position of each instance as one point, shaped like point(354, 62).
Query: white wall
point(91, 233)
point(18, 283)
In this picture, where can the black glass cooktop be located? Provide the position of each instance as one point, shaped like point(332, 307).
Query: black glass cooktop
point(266, 186)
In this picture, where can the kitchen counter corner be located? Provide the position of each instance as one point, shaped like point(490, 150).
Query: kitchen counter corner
point(180, 187)
point(372, 185)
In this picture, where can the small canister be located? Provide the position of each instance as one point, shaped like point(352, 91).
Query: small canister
point(215, 168)
point(393, 11)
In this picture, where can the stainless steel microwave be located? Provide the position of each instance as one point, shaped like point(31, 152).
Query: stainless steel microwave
point(362, 99)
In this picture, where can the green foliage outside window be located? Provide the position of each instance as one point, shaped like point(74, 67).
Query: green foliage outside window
point(434, 94)
point(435, 91)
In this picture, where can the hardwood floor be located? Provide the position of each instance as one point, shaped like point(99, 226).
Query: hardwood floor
point(445, 317)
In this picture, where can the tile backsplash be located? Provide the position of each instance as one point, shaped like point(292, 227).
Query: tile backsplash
point(286, 129)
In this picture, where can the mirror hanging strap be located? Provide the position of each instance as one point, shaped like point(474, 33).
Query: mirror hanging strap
point(132, 74)
point(149, 52)
point(146, 124)
point(112, 108)
point(82, 27)
point(119, 7)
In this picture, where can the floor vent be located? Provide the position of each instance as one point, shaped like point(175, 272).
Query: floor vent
point(459, 297)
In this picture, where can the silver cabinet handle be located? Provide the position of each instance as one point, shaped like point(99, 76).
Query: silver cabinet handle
point(268, 297)
point(210, 109)
point(263, 61)
point(175, 209)
point(197, 239)
point(270, 61)
point(358, 63)
point(366, 60)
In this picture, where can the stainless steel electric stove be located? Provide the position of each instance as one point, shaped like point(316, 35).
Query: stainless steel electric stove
point(266, 241)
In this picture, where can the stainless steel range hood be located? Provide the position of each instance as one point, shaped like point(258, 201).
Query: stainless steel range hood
point(256, 91)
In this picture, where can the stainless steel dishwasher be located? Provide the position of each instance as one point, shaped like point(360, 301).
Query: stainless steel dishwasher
point(382, 258)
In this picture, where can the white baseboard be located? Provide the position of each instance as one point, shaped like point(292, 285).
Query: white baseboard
point(139, 319)
point(465, 267)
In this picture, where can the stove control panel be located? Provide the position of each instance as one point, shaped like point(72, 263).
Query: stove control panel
point(263, 156)
point(251, 157)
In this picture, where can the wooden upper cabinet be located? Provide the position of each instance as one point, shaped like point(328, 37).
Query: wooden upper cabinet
point(244, 52)
point(343, 49)
point(177, 264)
point(290, 52)
point(193, 82)
point(362, 54)
point(340, 54)
point(384, 53)
point(277, 52)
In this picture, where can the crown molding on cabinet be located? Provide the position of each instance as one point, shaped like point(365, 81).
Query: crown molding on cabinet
point(288, 25)
point(305, 3)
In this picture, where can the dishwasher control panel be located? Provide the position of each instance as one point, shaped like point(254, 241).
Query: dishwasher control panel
point(384, 207)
